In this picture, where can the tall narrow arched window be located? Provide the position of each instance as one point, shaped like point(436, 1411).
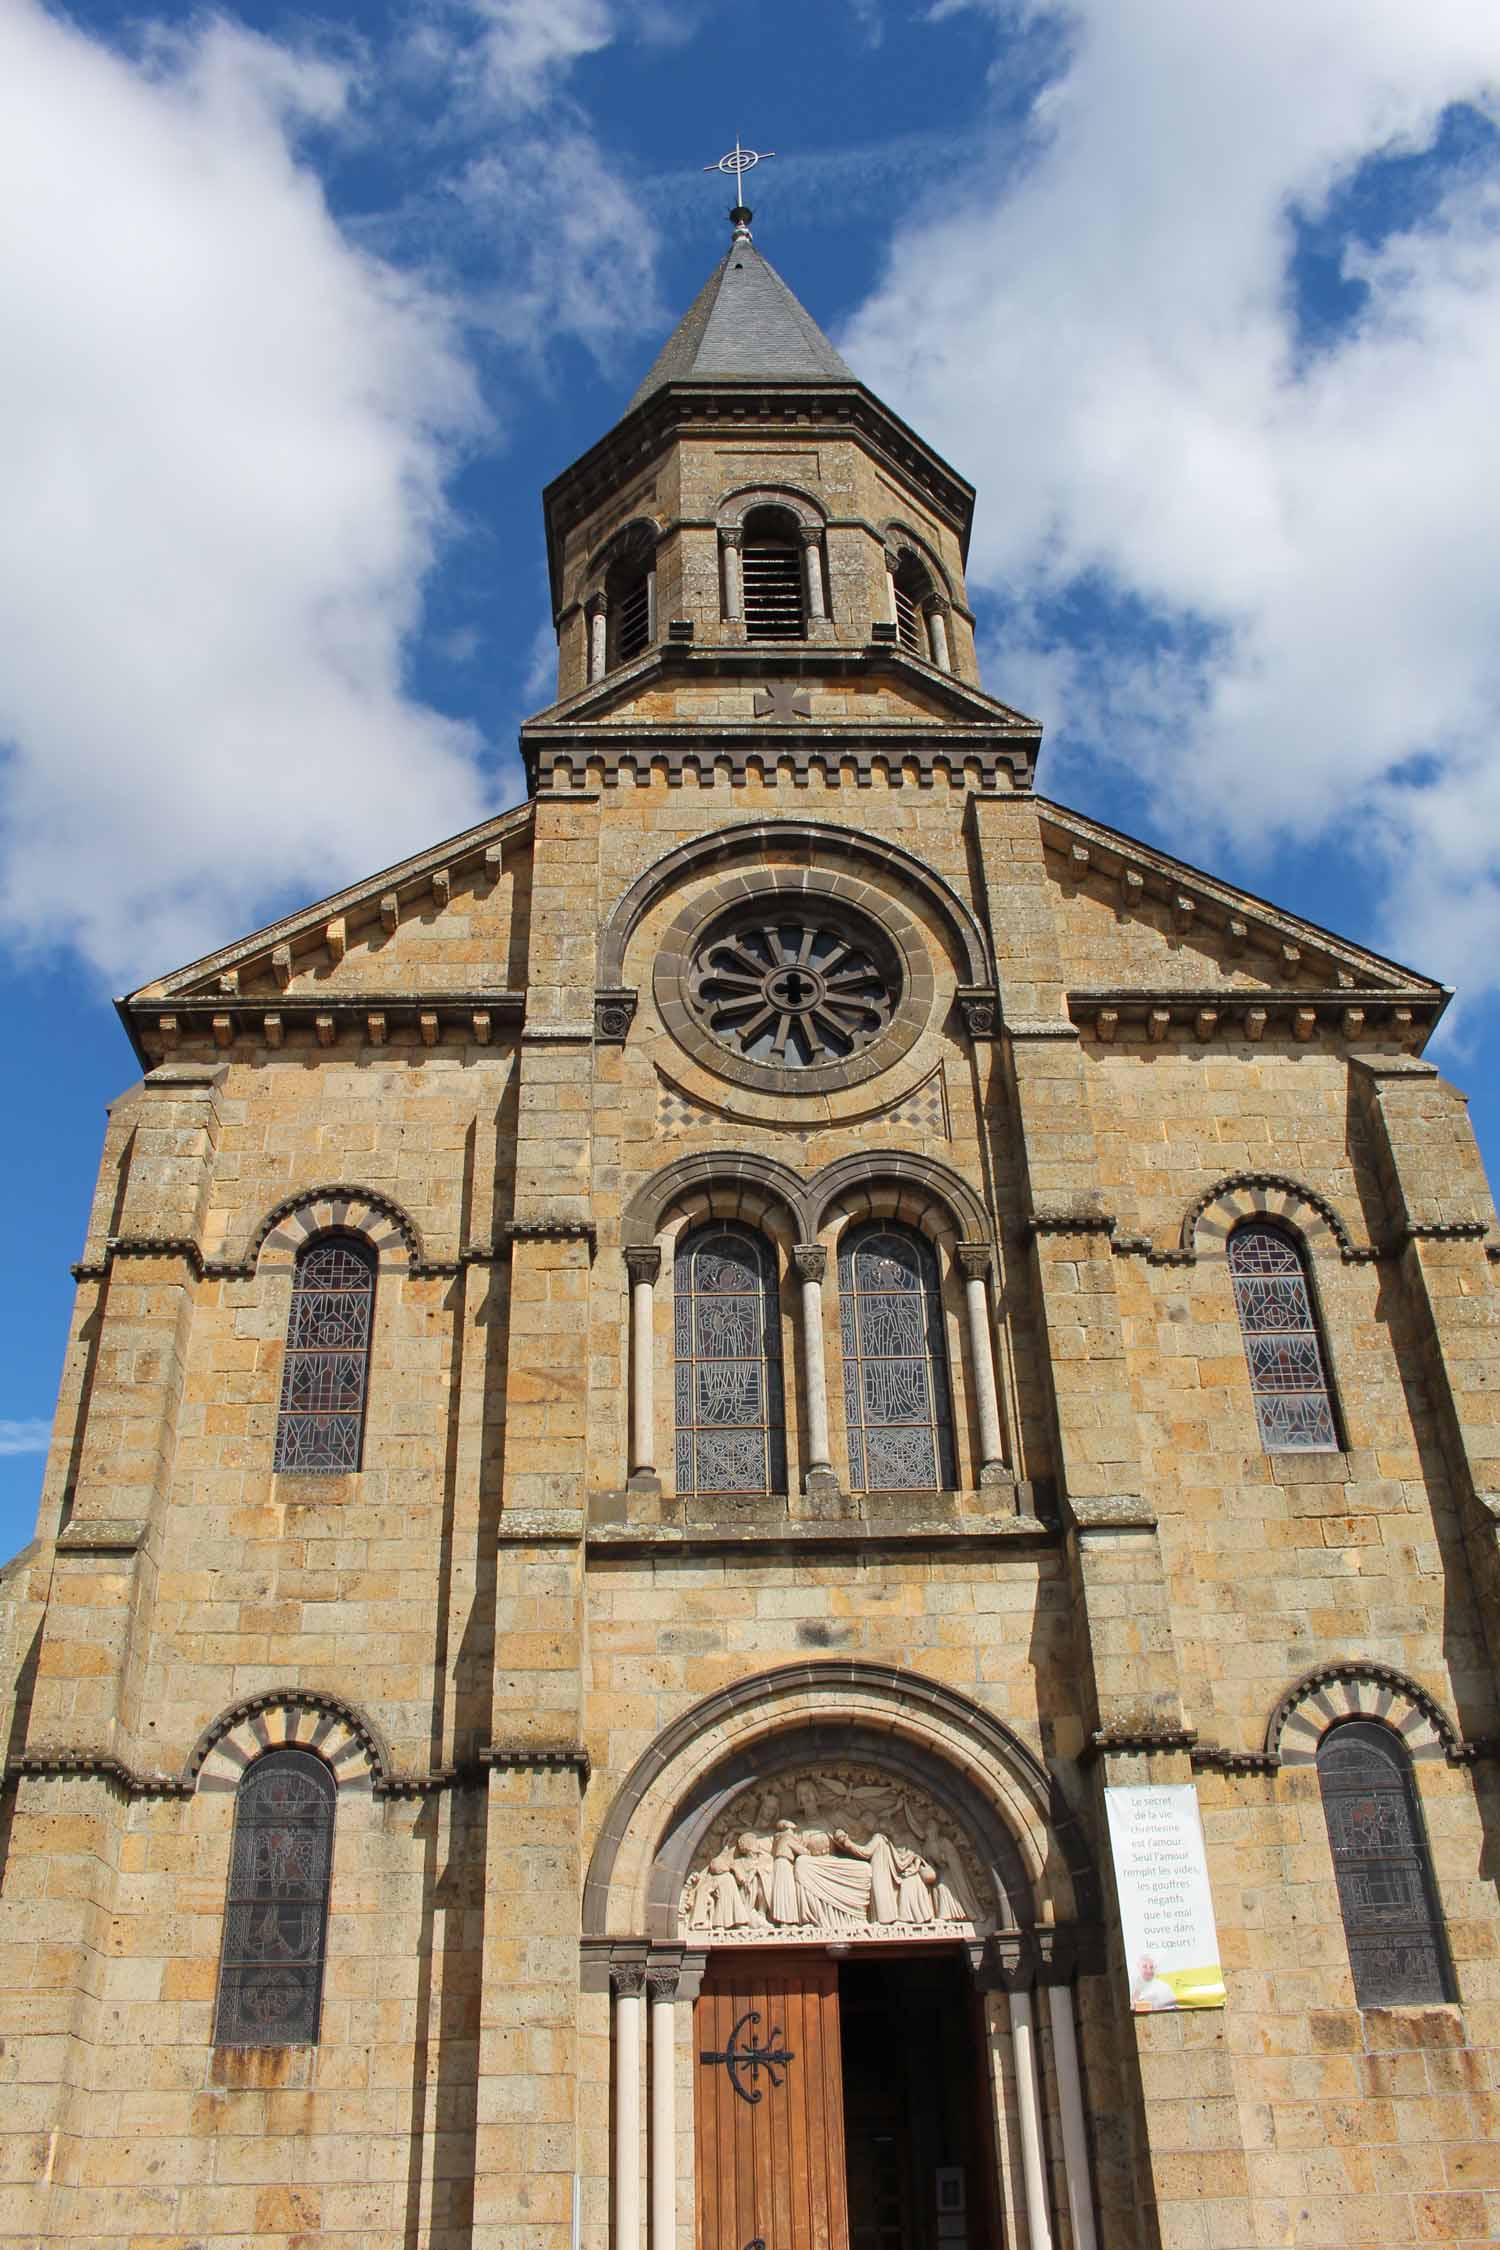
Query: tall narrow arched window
point(730, 1418)
point(911, 586)
point(896, 1399)
point(321, 1421)
point(1288, 1369)
point(771, 570)
point(1387, 1897)
point(630, 599)
point(276, 1913)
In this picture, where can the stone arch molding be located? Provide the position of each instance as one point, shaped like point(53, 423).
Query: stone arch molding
point(885, 1184)
point(737, 505)
point(391, 1233)
point(1358, 1691)
point(896, 536)
point(788, 844)
point(289, 1719)
point(1210, 1221)
point(810, 1716)
point(644, 532)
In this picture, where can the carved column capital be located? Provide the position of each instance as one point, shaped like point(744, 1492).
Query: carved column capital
point(732, 535)
point(810, 1260)
point(627, 1978)
point(974, 1260)
point(662, 1979)
point(809, 533)
point(643, 1261)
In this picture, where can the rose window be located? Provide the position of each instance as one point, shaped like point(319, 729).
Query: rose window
point(794, 990)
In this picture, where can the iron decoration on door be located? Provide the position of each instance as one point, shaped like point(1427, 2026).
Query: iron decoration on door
point(770, 2058)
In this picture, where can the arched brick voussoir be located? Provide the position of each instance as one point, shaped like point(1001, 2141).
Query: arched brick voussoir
point(790, 843)
point(289, 1719)
point(733, 1180)
point(391, 1232)
point(1358, 1691)
point(1209, 1222)
point(930, 1723)
point(893, 1184)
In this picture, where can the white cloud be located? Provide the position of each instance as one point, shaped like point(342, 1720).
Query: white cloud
point(32, 1436)
point(1105, 340)
point(223, 451)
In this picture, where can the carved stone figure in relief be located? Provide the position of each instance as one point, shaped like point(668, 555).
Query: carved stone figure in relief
point(818, 1878)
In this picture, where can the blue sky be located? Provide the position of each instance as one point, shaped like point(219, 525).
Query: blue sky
point(301, 311)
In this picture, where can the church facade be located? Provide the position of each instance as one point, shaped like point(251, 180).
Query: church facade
point(774, 1517)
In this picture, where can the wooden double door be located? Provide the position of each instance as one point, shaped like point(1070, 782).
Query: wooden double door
point(839, 2105)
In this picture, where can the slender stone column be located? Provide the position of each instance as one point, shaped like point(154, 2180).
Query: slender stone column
point(974, 1260)
point(812, 1263)
point(661, 1983)
point(812, 572)
point(1029, 2118)
point(1070, 2113)
point(890, 589)
point(597, 640)
point(643, 1265)
point(651, 607)
point(937, 637)
point(626, 1980)
point(734, 599)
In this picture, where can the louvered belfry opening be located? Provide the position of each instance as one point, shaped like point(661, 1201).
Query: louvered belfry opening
point(772, 570)
point(629, 597)
point(912, 586)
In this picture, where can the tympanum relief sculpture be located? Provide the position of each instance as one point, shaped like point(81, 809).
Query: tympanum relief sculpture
point(850, 1855)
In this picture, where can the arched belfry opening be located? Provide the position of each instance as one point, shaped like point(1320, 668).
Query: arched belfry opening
point(840, 1904)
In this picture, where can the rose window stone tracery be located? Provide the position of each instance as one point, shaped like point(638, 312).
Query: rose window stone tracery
point(794, 989)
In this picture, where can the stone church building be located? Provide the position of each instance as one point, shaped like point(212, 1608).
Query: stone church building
point(681, 1406)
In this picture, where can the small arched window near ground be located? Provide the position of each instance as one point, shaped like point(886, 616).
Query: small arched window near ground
point(912, 588)
point(896, 1397)
point(320, 1425)
point(276, 1913)
point(1288, 1367)
point(772, 574)
point(1392, 1923)
point(729, 1412)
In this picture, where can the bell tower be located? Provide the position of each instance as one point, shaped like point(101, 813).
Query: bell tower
point(762, 562)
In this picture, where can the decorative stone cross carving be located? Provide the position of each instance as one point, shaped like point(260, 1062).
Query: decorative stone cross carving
point(781, 700)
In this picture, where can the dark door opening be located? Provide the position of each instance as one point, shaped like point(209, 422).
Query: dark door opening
point(917, 2150)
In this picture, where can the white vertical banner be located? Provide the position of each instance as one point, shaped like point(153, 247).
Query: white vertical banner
point(1166, 1907)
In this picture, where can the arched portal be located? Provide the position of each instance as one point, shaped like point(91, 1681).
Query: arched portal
point(848, 1898)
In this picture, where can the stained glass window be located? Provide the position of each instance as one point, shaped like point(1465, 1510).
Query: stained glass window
point(1282, 1344)
point(322, 1413)
point(895, 1362)
point(1386, 1895)
point(730, 1423)
point(276, 1915)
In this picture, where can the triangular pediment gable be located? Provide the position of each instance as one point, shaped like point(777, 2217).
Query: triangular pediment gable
point(378, 937)
point(1142, 929)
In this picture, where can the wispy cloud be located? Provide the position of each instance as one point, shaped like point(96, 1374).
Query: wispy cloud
point(1292, 553)
point(32, 1436)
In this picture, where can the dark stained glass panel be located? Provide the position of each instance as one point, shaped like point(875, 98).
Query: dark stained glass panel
point(276, 1914)
point(895, 1362)
point(1386, 1893)
point(1283, 1349)
point(729, 1414)
point(321, 1417)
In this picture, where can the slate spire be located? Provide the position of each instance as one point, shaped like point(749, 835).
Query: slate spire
point(745, 322)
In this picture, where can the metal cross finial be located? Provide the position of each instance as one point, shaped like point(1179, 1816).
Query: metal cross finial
point(739, 162)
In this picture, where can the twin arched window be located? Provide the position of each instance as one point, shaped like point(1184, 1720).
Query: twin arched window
point(320, 1423)
point(895, 1361)
point(276, 1913)
point(728, 1364)
point(1284, 1350)
point(728, 1398)
point(1387, 1897)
